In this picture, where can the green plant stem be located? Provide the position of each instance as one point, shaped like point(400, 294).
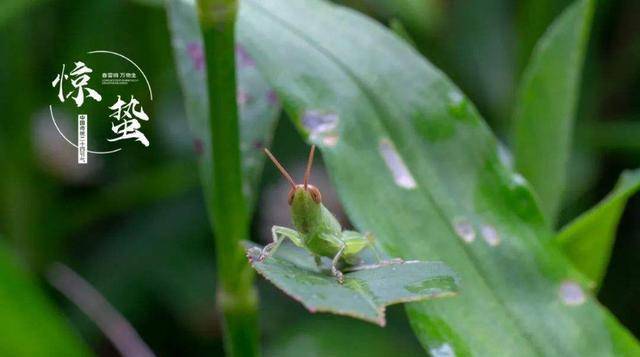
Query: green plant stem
point(237, 298)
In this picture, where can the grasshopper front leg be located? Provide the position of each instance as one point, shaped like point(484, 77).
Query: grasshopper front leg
point(334, 270)
point(279, 234)
point(341, 245)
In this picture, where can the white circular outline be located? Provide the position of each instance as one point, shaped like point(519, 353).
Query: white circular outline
point(150, 96)
point(133, 63)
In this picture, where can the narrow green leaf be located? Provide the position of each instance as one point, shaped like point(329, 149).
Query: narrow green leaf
point(545, 109)
point(365, 293)
point(532, 19)
point(259, 106)
point(31, 326)
point(398, 28)
point(414, 164)
point(421, 17)
point(588, 239)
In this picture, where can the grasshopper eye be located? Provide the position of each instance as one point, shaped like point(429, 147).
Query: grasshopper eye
point(290, 196)
point(315, 194)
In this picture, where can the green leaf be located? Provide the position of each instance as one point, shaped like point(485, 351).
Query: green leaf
point(414, 164)
point(588, 239)
point(259, 105)
point(30, 324)
point(9, 9)
point(398, 28)
point(339, 337)
point(545, 109)
point(365, 292)
point(421, 17)
point(532, 19)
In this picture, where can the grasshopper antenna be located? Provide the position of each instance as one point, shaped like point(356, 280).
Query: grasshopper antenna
point(307, 172)
point(280, 168)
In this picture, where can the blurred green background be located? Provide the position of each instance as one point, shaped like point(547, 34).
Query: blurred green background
point(134, 224)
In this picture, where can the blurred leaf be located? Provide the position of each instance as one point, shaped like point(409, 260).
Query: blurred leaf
point(13, 8)
point(396, 26)
point(29, 323)
point(415, 165)
point(479, 51)
point(545, 110)
point(422, 17)
point(259, 105)
point(621, 135)
point(336, 337)
point(365, 292)
point(533, 18)
point(163, 250)
point(152, 3)
point(588, 239)
point(135, 190)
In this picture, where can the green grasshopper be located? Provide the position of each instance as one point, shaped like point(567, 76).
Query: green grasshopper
point(318, 230)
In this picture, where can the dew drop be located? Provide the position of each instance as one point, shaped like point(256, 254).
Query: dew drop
point(505, 157)
point(457, 104)
point(444, 350)
point(464, 230)
point(518, 180)
point(490, 235)
point(571, 293)
point(322, 127)
point(396, 165)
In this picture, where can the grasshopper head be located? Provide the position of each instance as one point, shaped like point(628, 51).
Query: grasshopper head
point(299, 195)
point(302, 195)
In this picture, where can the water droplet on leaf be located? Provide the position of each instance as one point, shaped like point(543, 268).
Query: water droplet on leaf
point(457, 104)
point(572, 294)
point(505, 157)
point(464, 230)
point(444, 350)
point(322, 127)
point(490, 235)
point(396, 165)
point(518, 181)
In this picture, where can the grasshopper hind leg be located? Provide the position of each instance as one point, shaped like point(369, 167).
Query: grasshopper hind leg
point(356, 243)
